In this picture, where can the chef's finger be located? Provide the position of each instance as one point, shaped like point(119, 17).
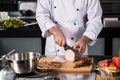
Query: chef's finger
point(63, 43)
point(74, 46)
point(57, 41)
point(80, 49)
point(83, 50)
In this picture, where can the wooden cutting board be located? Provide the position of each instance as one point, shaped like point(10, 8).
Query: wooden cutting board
point(65, 66)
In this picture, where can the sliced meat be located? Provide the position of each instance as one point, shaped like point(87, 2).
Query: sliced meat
point(59, 59)
point(70, 55)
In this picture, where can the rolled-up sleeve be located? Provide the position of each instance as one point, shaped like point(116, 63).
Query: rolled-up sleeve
point(43, 16)
point(94, 23)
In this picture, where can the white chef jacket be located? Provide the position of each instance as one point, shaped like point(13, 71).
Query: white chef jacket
point(74, 17)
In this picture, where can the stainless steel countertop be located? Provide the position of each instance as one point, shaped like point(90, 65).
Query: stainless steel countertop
point(67, 76)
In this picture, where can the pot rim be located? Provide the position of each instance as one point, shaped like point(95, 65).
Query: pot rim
point(30, 56)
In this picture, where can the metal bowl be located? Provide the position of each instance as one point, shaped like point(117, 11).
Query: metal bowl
point(108, 71)
point(23, 62)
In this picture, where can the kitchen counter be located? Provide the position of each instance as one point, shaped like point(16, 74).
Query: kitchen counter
point(29, 31)
point(65, 76)
point(34, 31)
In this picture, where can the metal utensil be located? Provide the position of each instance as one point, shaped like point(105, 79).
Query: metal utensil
point(52, 76)
point(66, 47)
point(30, 24)
point(47, 75)
point(7, 54)
point(102, 73)
point(40, 75)
point(10, 52)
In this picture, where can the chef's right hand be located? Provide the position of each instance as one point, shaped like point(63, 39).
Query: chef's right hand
point(59, 37)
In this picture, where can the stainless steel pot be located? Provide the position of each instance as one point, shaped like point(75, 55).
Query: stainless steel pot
point(23, 62)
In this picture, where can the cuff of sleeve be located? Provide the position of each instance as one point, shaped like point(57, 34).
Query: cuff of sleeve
point(92, 36)
point(47, 25)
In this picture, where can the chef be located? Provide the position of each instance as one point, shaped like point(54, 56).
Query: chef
point(76, 23)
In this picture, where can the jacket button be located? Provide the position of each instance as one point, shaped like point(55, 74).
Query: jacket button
point(58, 50)
point(72, 38)
point(74, 23)
point(54, 6)
point(55, 22)
point(77, 9)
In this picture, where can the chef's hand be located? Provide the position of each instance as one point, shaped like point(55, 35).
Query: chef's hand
point(59, 37)
point(80, 45)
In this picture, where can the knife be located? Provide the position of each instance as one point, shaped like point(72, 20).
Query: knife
point(66, 47)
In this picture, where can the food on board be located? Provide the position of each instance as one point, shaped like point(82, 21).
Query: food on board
point(42, 63)
point(68, 61)
point(47, 64)
point(84, 62)
point(70, 55)
point(59, 59)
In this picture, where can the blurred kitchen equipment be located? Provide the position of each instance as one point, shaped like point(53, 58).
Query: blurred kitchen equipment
point(24, 62)
point(52, 76)
point(30, 24)
point(42, 75)
point(108, 72)
point(27, 12)
point(27, 8)
point(3, 15)
point(111, 22)
point(7, 54)
point(14, 14)
point(6, 72)
point(102, 73)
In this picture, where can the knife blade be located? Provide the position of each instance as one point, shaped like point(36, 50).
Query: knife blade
point(66, 47)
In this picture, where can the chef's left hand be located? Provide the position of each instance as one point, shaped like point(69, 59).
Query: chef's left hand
point(80, 45)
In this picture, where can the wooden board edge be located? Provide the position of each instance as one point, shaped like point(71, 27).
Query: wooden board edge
point(69, 70)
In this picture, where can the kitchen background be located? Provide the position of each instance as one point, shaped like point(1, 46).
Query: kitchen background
point(25, 9)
